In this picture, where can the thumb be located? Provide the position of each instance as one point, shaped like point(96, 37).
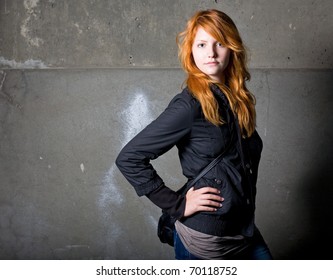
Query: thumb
point(190, 190)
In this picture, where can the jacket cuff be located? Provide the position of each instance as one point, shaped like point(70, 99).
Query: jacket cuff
point(169, 201)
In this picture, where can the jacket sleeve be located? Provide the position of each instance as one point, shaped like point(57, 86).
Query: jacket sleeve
point(154, 140)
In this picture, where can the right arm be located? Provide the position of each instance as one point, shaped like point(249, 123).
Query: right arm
point(157, 138)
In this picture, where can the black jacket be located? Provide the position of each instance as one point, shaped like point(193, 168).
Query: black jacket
point(198, 142)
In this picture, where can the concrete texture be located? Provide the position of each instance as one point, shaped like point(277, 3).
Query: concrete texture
point(62, 197)
point(123, 33)
point(108, 69)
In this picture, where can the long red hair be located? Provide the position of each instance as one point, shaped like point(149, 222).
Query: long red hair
point(242, 102)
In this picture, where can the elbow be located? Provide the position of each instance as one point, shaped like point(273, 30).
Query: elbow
point(123, 162)
point(120, 161)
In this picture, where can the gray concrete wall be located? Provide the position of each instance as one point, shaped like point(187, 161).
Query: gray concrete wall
point(78, 79)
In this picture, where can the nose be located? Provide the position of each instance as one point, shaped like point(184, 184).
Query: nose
point(211, 52)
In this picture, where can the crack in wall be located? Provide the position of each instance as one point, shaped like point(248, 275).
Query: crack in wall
point(5, 95)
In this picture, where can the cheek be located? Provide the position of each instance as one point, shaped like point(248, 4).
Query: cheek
point(197, 58)
point(227, 56)
point(194, 56)
point(226, 59)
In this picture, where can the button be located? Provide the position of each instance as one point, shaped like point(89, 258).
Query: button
point(218, 181)
point(248, 165)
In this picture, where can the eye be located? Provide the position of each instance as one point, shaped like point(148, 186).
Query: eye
point(201, 45)
point(219, 44)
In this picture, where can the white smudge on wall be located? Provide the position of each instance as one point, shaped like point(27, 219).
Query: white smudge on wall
point(292, 27)
point(135, 117)
point(29, 64)
point(82, 167)
point(80, 31)
point(30, 6)
point(110, 194)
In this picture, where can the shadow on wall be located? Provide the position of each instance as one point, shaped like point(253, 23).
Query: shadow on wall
point(316, 196)
point(317, 242)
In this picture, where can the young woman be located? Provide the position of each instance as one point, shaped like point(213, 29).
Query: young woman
point(215, 112)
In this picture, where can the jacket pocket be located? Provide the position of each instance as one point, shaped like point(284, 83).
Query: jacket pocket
point(229, 181)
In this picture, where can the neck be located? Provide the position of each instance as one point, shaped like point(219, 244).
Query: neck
point(220, 80)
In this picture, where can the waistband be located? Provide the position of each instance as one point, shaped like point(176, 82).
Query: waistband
point(220, 226)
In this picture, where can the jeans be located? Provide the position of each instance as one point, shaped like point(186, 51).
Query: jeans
point(258, 250)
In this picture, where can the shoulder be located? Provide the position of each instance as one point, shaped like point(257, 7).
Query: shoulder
point(185, 101)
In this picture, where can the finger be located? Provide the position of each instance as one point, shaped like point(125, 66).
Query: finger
point(211, 203)
point(211, 197)
point(207, 209)
point(191, 189)
point(209, 190)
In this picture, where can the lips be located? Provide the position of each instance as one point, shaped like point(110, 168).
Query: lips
point(212, 63)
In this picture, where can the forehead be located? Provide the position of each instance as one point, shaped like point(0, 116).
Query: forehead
point(202, 35)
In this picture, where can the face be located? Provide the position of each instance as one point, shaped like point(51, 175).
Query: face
point(209, 55)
